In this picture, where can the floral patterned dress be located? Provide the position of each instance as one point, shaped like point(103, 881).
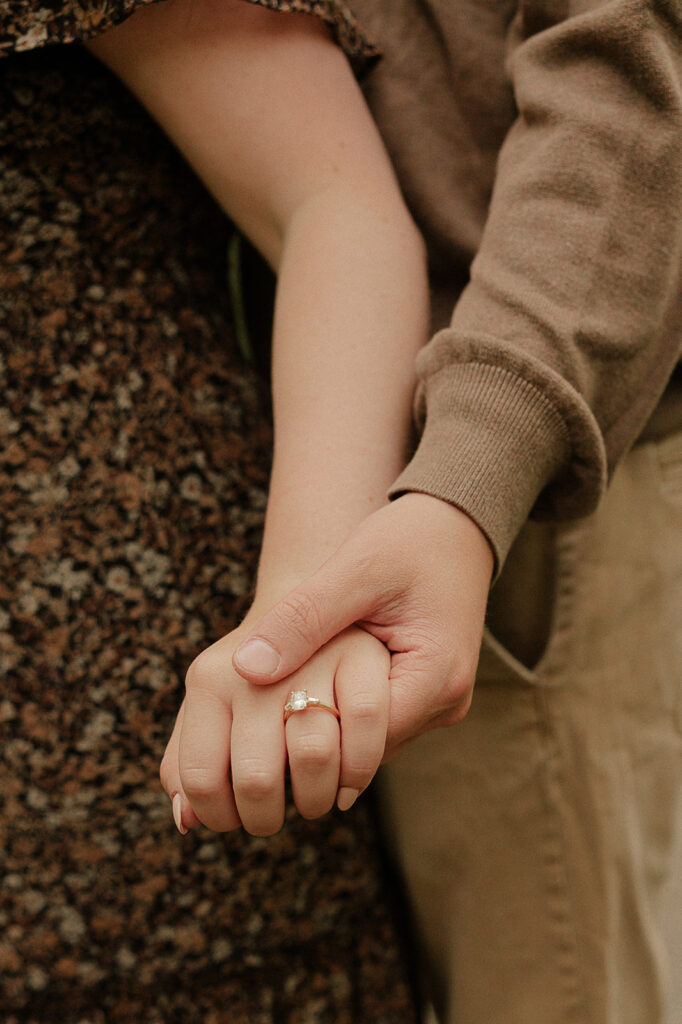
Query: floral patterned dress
point(134, 457)
point(27, 24)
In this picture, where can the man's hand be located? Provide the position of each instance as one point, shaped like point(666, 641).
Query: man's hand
point(415, 575)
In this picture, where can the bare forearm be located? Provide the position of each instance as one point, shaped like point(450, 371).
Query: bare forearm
point(351, 314)
point(266, 109)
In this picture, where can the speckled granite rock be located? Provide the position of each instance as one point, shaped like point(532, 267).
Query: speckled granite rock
point(134, 458)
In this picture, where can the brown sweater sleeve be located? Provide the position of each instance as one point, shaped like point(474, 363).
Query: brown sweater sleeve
point(570, 327)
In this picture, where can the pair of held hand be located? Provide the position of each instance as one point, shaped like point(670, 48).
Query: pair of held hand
point(388, 630)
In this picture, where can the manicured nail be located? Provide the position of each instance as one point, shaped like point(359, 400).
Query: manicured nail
point(346, 797)
point(257, 657)
point(177, 814)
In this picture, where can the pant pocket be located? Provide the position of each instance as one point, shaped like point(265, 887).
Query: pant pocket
point(530, 607)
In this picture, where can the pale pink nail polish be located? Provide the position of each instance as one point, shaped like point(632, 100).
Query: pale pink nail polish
point(177, 815)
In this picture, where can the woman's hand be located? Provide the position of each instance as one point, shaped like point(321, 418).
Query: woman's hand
point(414, 574)
point(225, 762)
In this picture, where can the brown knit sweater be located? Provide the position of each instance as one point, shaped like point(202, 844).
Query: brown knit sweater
point(545, 139)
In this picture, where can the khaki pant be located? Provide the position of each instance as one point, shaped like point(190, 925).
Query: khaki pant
point(541, 838)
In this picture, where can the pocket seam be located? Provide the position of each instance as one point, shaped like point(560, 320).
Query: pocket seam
point(552, 658)
point(668, 458)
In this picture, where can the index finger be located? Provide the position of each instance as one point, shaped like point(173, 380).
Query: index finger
point(204, 759)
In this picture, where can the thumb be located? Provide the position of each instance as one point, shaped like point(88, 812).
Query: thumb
point(296, 627)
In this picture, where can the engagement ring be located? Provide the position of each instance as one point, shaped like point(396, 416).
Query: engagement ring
point(298, 700)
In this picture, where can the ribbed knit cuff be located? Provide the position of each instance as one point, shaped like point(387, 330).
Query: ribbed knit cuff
point(492, 441)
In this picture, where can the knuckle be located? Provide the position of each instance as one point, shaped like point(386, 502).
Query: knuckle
point(299, 613)
point(458, 712)
point(166, 774)
point(311, 752)
point(202, 670)
point(208, 668)
point(201, 783)
point(468, 673)
point(364, 708)
point(458, 695)
point(359, 770)
point(254, 781)
point(459, 682)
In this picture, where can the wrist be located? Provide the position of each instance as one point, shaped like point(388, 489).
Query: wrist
point(445, 524)
point(302, 531)
point(270, 591)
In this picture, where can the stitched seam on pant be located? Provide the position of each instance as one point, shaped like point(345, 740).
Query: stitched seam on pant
point(557, 877)
point(667, 458)
point(553, 660)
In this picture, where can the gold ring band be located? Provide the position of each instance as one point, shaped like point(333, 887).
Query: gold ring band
point(298, 700)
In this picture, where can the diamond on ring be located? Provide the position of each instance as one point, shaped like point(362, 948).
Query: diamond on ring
point(298, 700)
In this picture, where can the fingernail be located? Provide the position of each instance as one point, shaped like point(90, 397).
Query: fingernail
point(258, 657)
point(346, 797)
point(177, 814)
